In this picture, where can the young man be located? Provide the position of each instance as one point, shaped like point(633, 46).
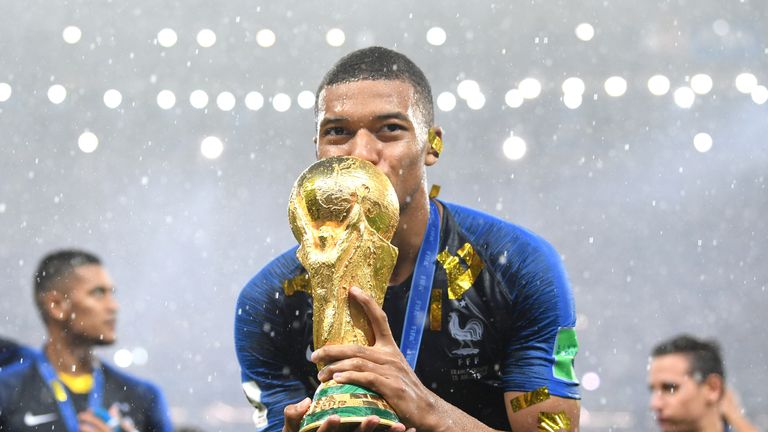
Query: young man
point(65, 387)
point(688, 393)
point(498, 341)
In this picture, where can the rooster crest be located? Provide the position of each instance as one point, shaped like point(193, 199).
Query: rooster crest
point(472, 331)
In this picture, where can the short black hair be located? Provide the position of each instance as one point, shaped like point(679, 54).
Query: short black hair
point(378, 63)
point(703, 355)
point(55, 266)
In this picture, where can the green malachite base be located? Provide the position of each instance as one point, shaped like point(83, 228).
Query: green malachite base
point(350, 402)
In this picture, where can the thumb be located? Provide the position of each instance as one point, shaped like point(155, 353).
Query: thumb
point(293, 414)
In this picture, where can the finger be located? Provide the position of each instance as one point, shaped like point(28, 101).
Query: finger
point(333, 353)
point(376, 316)
point(368, 380)
point(356, 364)
point(89, 422)
point(293, 414)
point(330, 424)
point(368, 424)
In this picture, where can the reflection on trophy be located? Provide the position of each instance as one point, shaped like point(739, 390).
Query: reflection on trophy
point(343, 211)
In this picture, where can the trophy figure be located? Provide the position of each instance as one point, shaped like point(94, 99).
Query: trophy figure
point(344, 211)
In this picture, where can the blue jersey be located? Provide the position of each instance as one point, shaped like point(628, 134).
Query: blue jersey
point(27, 402)
point(501, 318)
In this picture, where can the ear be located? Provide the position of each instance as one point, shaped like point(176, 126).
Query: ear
point(433, 154)
point(55, 305)
point(714, 387)
point(317, 150)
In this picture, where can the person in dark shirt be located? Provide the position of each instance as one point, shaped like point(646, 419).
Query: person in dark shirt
point(65, 387)
point(498, 343)
point(686, 378)
point(11, 353)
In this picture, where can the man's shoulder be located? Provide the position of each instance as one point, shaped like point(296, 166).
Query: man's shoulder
point(15, 378)
point(116, 377)
point(274, 274)
point(493, 233)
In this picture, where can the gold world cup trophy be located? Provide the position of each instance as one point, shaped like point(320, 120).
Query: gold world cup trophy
point(344, 211)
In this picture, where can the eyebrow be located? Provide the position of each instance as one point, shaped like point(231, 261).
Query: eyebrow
point(386, 116)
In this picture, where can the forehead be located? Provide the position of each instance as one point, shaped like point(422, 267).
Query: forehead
point(88, 275)
point(669, 367)
point(366, 97)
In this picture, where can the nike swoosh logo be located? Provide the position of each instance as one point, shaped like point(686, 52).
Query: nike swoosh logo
point(35, 420)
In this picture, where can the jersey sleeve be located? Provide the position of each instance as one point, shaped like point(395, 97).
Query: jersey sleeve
point(261, 347)
point(541, 344)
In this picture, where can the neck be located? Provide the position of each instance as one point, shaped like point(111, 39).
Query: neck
point(409, 235)
point(66, 355)
point(711, 422)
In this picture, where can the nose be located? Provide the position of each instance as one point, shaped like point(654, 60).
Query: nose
point(112, 304)
point(366, 146)
point(656, 402)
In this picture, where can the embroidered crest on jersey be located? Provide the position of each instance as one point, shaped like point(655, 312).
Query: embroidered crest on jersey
point(298, 283)
point(467, 334)
point(460, 277)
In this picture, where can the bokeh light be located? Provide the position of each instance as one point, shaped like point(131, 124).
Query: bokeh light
point(684, 97)
point(88, 142)
point(112, 98)
point(590, 381)
point(446, 101)
point(254, 101)
point(585, 31)
point(57, 93)
point(514, 99)
point(760, 94)
point(745, 82)
point(574, 85)
point(266, 38)
point(615, 86)
point(226, 101)
point(659, 85)
point(701, 84)
point(72, 34)
point(467, 88)
point(167, 37)
point(211, 147)
point(306, 99)
point(166, 99)
point(5, 91)
point(281, 102)
point(198, 99)
point(476, 101)
point(436, 36)
point(335, 37)
point(514, 148)
point(123, 358)
point(530, 88)
point(572, 100)
point(206, 38)
point(702, 142)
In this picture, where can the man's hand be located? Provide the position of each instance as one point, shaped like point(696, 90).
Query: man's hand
point(380, 367)
point(730, 408)
point(294, 413)
point(90, 422)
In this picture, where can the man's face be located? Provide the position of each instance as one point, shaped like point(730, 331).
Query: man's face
point(90, 308)
point(678, 401)
point(377, 121)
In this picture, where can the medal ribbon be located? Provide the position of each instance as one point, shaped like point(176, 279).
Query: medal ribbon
point(66, 406)
point(421, 284)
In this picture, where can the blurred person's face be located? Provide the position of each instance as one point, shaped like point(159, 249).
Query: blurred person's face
point(89, 308)
point(678, 401)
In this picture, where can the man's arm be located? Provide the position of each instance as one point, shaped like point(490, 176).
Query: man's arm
point(383, 369)
point(560, 412)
